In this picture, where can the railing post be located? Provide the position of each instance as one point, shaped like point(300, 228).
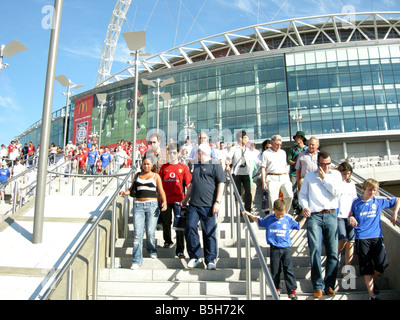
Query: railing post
point(232, 205)
point(126, 216)
point(50, 184)
point(238, 236)
point(69, 284)
point(249, 293)
point(113, 231)
point(263, 294)
point(95, 263)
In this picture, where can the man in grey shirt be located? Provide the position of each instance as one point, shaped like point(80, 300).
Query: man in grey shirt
point(307, 161)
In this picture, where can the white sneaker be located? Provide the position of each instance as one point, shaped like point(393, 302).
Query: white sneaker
point(153, 255)
point(194, 262)
point(212, 265)
point(135, 266)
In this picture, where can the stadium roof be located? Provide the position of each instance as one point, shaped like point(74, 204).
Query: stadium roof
point(291, 33)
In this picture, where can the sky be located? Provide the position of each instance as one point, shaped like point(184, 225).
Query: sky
point(168, 23)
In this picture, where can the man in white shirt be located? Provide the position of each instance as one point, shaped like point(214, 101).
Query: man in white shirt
point(187, 146)
point(319, 198)
point(239, 160)
point(221, 153)
point(17, 169)
point(121, 158)
point(275, 173)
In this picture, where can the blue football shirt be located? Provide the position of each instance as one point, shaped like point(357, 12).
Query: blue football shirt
point(277, 230)
point(368, 216)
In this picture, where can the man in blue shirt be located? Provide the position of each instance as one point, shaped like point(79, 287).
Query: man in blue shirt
point(92, 157)
point(4, 176)
point(205, 193)
point(278, 226)
point(105, 160)
point(365, 217)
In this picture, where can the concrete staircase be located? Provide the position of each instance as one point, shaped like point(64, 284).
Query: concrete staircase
point(168, 277)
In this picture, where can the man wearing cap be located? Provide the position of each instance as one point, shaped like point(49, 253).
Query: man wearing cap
point(294, 152)
point(4, 176)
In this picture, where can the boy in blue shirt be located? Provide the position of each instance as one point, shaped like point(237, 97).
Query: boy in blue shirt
point(4, 176)
point(278, 226)
point(365, 217)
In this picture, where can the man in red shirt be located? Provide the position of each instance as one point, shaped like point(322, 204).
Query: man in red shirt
point(31, 152)
point(175, 177)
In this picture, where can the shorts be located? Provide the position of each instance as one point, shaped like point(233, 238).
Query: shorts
point(2, 186)
point(372, 255)
point(345, 230)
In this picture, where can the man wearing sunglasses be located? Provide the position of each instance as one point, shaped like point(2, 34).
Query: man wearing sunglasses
point(155, 150)
point(319, 198)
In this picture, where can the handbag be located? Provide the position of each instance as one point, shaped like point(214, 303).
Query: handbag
point(133, 187)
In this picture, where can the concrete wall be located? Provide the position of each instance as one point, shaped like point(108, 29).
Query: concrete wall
point(82, 268)
point(391, 236)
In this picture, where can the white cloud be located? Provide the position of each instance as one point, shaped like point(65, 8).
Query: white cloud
point(8, 104)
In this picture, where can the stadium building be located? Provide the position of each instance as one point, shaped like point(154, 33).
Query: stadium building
point(336, 77)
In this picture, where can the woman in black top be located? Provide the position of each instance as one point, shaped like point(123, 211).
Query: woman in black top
point(148, 188)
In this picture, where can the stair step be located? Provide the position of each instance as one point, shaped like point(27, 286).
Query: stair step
point(177, 287)
point(169, 278)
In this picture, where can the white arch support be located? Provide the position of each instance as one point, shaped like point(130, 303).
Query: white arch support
point(110, 43)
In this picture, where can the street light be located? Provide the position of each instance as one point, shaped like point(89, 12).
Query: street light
point(158, 85)
point(102, 98)
point(9, 50)
point(167, 97)
point(136, 42)
point(65, 82)
point(298, 117)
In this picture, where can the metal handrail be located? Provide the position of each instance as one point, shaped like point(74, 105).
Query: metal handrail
point(93, 229)
point(249, 232)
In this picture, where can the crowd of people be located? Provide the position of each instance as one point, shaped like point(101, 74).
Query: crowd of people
point(179, 186)
point(333, 214)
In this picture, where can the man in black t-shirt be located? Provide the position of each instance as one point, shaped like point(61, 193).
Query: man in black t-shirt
point(205, 193)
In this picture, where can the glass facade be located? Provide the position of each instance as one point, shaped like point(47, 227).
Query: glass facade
point(318, 92)
point(321, 92)
point(246, 94)
point(56, 130)
point(344, 90)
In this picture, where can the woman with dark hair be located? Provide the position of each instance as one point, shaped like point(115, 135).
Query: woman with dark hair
point(345, 230)
point(146, 187)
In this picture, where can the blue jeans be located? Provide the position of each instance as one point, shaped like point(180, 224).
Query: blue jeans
point(209, 227)
point(91, 169)
point(323, 227)
point(145, 215)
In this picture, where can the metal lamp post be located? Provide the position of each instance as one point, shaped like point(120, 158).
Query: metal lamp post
point(65, 82)
point(102, 98)
point(136, 42)
point(167, 97)
point(46, 125)
point(158, 85)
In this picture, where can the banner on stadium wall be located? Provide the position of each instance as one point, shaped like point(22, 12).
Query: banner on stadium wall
point(82, 119)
